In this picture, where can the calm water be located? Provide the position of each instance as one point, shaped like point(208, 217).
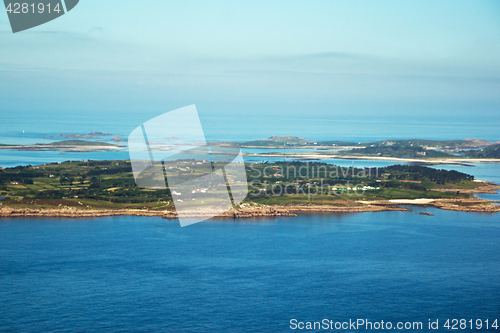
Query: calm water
point(237, 127)
point(139, 274)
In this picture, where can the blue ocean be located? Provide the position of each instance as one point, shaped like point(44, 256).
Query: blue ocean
point(135, 274)
point(138, 274)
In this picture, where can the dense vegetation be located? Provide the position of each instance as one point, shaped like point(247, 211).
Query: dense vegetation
point(111, 184)
point(295, 142)
point(291, 141)
point(396, 150)
point(443, 144)
point(488, 152)
point(424, 174)
point(88, 180)
point(270, 180)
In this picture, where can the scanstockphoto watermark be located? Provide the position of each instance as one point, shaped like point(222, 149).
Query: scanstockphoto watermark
point(463, 324)
point(206, 179)
point(310, 190)
point(170, 153)
point(309, 179)
point(309, 170)
point(360, 324)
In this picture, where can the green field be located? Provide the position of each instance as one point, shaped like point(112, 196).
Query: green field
point(111, 185)
point(488, 152)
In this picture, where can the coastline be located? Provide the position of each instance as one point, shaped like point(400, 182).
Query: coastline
point(300, 156)
point(486, 187)
point(319, 156)
point(16, 206)
point(167, 214)
point(66, 148)
point(463, 205)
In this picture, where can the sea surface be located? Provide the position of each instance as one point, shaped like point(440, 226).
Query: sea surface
point(29, 126)
point(139, 274)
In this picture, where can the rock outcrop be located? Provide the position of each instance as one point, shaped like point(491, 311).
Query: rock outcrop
point(464, 205)
point(86, 213)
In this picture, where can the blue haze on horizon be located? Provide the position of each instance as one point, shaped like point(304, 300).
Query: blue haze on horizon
point(245, 62)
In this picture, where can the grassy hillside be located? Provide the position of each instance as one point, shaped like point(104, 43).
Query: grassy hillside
point(110, 184)
point(488, 152)
point(276, 141)
point(443, 144)
point(396, 150)
point(293, 141)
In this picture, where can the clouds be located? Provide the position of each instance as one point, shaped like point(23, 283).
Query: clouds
point(280, 53)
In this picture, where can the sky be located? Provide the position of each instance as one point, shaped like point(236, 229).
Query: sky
point(234, 59)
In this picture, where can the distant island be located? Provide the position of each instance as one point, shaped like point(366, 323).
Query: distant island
point(66, 145)
point(296, 142)
point(422, 151)
point(80, 136)
point(106, 188)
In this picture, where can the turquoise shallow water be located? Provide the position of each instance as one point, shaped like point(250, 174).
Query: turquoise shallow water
point(134, 274)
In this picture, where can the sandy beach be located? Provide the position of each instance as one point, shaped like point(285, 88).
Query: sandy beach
point(460, 161)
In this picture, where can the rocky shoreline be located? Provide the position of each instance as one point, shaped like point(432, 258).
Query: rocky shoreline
point(430, 161)
point(86, 213)
point(343, 209)
point(463, 205)
point(483, 188)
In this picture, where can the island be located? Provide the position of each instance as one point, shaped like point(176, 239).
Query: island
point(287, 188)
point(68, 146)
point(405, 151)
point(462, 152)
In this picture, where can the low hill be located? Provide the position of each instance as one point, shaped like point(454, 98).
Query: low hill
point(440, 144)
point(396, 150)
point(78, 143)
point(276, 141)
point(293, 141)
point(488, 152)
